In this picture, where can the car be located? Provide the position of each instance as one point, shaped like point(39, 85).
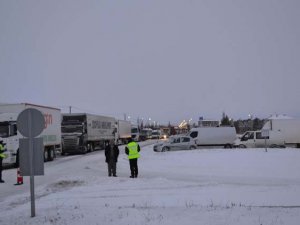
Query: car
point(176, 143)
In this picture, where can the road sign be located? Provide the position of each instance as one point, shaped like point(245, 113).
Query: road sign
point(30, 122)
point(37, 157)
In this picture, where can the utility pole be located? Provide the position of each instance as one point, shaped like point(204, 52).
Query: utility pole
point(70, 109)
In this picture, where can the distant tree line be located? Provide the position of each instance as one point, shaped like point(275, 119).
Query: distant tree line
point(242, 126)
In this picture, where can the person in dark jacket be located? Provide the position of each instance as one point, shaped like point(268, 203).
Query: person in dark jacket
point(111, 158)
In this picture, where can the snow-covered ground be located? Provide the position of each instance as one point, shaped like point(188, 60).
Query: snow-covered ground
point(203, 186)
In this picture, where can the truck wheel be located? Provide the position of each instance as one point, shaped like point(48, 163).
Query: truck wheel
point(51, 154)
point(46, 156)
point(242, 146)
point(84, 150)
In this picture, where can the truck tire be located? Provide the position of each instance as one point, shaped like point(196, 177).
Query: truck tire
point(242, 146)
point(50, 154)
point(84, 150)
point(46, 155)
point(192, 147)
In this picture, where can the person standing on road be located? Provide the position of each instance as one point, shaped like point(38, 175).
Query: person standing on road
point(2, 156)
point(111, 158)
point(132, 149)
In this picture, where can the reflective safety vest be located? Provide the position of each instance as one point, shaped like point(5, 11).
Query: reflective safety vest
point(1, 152)
point(133, 150)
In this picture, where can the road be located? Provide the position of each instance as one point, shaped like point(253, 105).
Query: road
point(59, 169)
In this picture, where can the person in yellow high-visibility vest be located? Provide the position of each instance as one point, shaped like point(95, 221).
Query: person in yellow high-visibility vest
point(132, 149)
point(2, 156)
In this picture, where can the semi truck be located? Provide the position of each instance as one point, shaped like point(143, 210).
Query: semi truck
point(145, 134)
point(135, 133)
point(83, 132)
point(122, 131)
point(10, 135)
point(213, 136)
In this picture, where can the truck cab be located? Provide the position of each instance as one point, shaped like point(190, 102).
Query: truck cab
point(135, 134)
point(9, 136)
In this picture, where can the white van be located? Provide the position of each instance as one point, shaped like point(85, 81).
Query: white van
point(214, 136)
point(255, 139)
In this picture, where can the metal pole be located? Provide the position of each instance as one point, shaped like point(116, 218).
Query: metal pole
point(31, 166)
point(266, 144)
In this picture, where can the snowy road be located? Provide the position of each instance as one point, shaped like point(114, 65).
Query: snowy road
point(62, 167)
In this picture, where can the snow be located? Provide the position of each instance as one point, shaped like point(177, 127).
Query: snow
point(279, 117)
point(203, 186)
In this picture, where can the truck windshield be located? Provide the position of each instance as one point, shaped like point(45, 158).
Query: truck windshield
point(134, 130)
point(72, 129)
point(4, 130)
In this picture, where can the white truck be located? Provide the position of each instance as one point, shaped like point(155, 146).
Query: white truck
point(135, 133)
point(10, 135)
point(123, 131)
point(289, 129)
point(145, 134)
point(213, 136)
point(83, 132)
point(255, 139)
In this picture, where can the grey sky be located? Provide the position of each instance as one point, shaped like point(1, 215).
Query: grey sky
point(168, 60)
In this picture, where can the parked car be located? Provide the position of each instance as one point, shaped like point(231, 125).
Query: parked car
point(176, 143)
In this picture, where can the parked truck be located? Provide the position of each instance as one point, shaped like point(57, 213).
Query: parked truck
point(83, 132)
point(135, 133)
point(213, 136)
point(10, 135)
point(289, 129)
point(123, 131)
point(145, 134)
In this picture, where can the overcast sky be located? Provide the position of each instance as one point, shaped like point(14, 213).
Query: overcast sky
point(167, 60)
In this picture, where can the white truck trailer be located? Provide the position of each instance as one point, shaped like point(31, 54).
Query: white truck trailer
point(123, 131)
point(10, 135)
point(83, 132)
point(213, 136)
